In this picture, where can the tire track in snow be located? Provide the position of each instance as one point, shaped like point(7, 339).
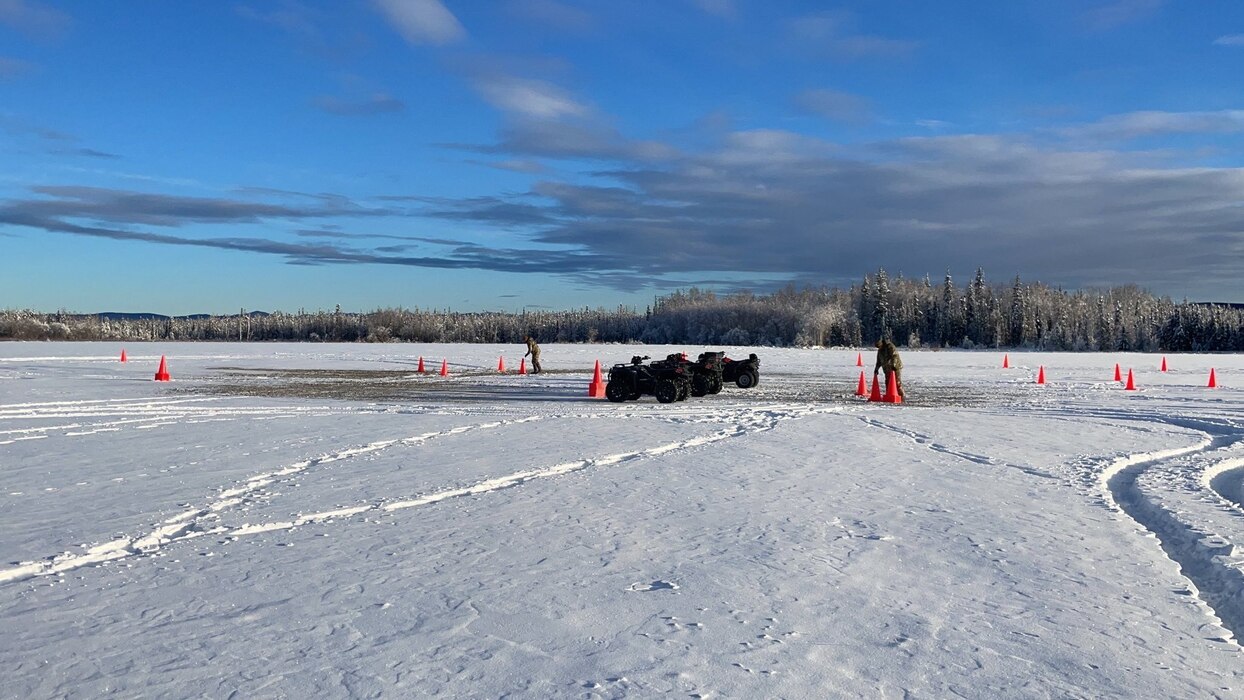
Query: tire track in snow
point(927, 441)
point(197, 521)
point(1206, 558)
point(1197, 483)
point(142, 414)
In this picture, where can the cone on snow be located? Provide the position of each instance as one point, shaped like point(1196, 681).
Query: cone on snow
point(501, 364)
point(862, 389)
point(444, 368)
point(1212, 381)
point(875, 394)
point(891, 389)
point(522, 366)
point(596, 389)
point(421, 370)
point(1006, 361)
point(123, 358)
point(1164, 363)
point(859, 359)
point(1131, 382)
point(1041, 375)
point(1118, 376)
point(161, 374)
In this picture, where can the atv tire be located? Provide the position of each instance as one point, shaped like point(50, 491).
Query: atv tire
point(617, 392)
point(666, 391)
point(701, 385)
point(715, 385)
point(747, 379)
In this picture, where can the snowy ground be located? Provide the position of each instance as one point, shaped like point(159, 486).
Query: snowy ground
point(321, 521)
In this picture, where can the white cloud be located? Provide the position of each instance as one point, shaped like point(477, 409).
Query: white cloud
point(831, 104)
point(1152, 123)
point(833, 33)
point(33, 18)
point(550, 13)
point(725, 9)
point(421, 21)
point(1230, 40)
point(1120, 12)
point(530, 98)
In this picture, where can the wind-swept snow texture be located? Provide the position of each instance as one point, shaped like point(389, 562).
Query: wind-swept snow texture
point(254, 528)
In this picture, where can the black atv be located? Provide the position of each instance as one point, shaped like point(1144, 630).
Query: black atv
point(744, 373)
point(664, 379)
point(706, 373)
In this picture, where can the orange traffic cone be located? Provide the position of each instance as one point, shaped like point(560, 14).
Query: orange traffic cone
point(421, 370)
point(862, 389)
point(1212, 381)
point(1131, 382)
point(859, 359)
point(1041, 375)
point(522, 366)
point(875, 394)
point(444, 367)
point(1164, 363)
point(501, 364)
point(1006, 361)
point(162, 373)
point(123, 358)
point(891, 389)
point(596, 389)
point(1118, 376)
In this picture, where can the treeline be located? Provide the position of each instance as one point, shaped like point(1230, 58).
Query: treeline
point(915, 313)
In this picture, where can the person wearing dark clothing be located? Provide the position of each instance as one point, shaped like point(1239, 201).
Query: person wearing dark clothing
point(534, 350)
point(888, 361)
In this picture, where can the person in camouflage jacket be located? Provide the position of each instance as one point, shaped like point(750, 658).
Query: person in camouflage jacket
point(889, 361)
point(534, 350)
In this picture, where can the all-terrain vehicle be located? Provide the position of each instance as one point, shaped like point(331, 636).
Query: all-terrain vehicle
point(706, 373)
point(664, 379)
point(744, 373)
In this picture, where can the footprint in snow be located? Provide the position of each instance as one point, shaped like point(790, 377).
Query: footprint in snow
point(657, 585)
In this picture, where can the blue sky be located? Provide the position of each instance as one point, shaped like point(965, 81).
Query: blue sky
point(182, 157)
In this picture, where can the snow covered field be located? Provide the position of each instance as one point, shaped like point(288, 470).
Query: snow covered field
point(320, 521)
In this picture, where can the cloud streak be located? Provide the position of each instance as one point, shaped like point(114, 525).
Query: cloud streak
point(760, 205)
point(35, 19)
point(378, 103)
point(422, 21)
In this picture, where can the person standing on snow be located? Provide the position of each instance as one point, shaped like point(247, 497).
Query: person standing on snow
point(888, 360)
point(534, 350)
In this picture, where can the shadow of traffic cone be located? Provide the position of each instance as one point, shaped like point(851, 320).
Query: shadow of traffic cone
point(1164, 363)
point(1118, 376)
point(162, 373)
point(1041, 374)
point(596, 389)
point(444, 368)
point(421, 370)
point(875, 394)
point(862, 389)
point(1131, 382)
point(501, 364)
point(859, 359)
point(1006, 361)
point(522, 366)
point(1213, 383)
point(123, 358)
